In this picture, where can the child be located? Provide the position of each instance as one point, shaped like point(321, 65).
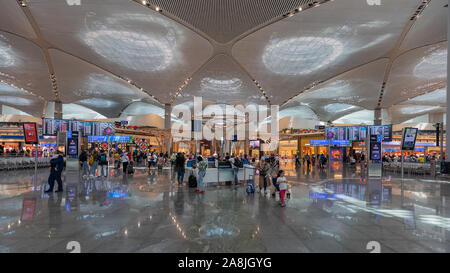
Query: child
point(282, 184)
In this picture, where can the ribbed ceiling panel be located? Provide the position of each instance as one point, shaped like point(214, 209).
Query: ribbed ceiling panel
point(224, 20)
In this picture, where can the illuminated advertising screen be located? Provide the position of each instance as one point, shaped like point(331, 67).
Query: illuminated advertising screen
point(72, 144)
point(336, 154)
point(409, 138)
point(375, 148)
point(255, 144)
point(336, 133)
point(30, 133)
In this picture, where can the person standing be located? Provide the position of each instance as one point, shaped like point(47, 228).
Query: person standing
point(84, 163)
point(117, 160)
point(95, 161)
point(103, 164)
point(235, 164)
point(308, 161)
point(124, 158)
point(281, 181)
point(56, 168)
point(179, 165)
point(201, 174)
point(263, 168)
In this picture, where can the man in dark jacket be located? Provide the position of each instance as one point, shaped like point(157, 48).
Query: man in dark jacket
point(56, 168)
point(84, 163)
point(179, 166)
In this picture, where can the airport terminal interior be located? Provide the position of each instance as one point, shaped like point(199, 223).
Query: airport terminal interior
point(224, 126)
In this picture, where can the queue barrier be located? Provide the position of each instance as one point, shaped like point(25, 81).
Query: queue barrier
point(215, 175)
point(409, 167)
point(15, 163)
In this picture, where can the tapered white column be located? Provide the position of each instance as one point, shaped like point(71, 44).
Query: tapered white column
point(168, 125)
point(58, 110)
point(377, 117)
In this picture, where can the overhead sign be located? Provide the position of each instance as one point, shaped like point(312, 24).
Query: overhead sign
point(30, 133)
point(324, 143)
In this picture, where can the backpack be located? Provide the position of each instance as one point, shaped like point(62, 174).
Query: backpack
point(237, 163)
point(192, 182)
point(202, 166)
point(103, 158)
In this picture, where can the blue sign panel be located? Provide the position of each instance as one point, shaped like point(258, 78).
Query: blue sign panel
point(97, 139)
point(119, 139)
point(342, 143)
point(318, 142)
point(379, 138)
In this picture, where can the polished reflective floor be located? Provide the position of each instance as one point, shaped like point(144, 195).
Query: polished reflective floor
point(337, 210)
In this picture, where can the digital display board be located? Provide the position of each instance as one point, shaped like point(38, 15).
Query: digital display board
point(409, 138)
point(30, 133)
point(357, 133)
point(255, 144)
point(375, 148)
point(336, 133)
point(384, 130)
point(51, 127)
point(72, 144)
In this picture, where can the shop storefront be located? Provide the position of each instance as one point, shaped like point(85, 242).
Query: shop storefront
point(423, 147)
point(288, 148)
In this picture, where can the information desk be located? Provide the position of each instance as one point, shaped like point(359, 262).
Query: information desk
point(224, 174)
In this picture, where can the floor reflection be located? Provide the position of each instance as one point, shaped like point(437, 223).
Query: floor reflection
point(330, 210)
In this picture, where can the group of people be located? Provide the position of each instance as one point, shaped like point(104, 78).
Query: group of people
point(409, 158)
point(320, 160)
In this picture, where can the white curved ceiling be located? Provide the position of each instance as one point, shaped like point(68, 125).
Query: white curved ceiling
point(416, 72)
point(222, 80)
point(125, 38)
point(23, 64)
point(319, 43)
point(327, 62)
point(14, 20)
